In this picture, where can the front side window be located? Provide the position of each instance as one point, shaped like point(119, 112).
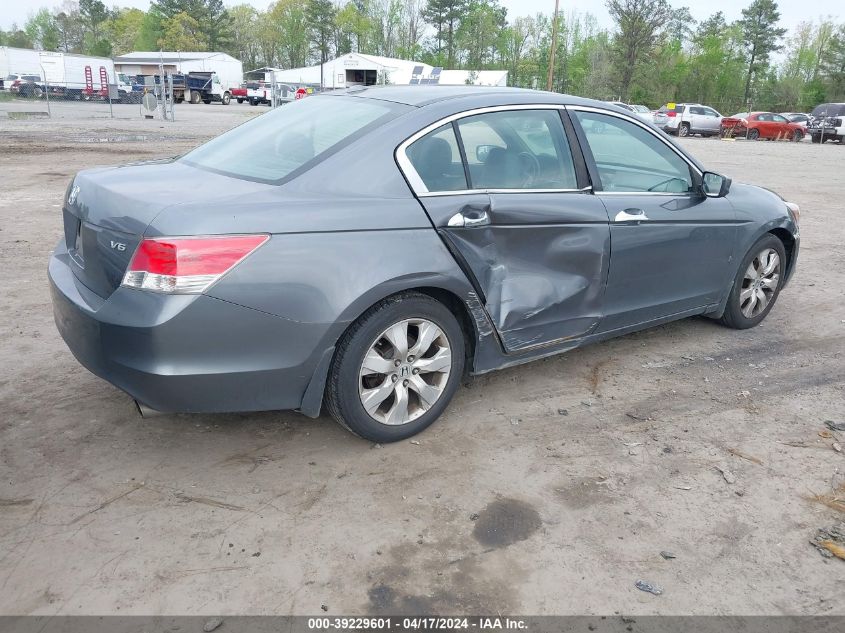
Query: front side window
point(437, 160)
point(273, 146)
point(631, 159)
point(517, 149)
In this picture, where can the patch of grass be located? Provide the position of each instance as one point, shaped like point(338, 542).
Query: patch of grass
point(834, 501)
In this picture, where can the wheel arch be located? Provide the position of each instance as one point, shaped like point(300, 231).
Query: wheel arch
point(467, 310)
point(788, 241)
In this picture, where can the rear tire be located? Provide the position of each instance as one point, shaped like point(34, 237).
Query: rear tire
point(684, 130)
point(392, 390)
point(240, 100)
point(226, 98)
point(748, 292)
point(195, 97)
point(797, 136)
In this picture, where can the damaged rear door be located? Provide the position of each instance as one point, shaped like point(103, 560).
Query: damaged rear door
point(526, 229)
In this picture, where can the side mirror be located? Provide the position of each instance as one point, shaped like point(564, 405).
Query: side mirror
point(482, 152)
point(715, 185)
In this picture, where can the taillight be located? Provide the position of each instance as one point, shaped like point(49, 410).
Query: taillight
point(671, 113)
point(187, 265)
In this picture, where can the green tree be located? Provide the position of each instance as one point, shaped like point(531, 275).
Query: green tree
point(245, 23)
point(17, 38)
point(123, 29)
point(151, 30)
point(216, 23)
point(640, 24)
point(285, 38)
point(320, 20)
point(479, 31)
point(70, 26)
point(42, 31)
point(761, 37)
point(182, 32)
point(445, 17)
point(833, 66)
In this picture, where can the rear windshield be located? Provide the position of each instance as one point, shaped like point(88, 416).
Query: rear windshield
point(292, 138)
point(666, 108)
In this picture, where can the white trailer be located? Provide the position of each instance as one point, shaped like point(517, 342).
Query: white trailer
point(63, 74)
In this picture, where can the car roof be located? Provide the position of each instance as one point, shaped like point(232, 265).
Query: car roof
point(420, 96)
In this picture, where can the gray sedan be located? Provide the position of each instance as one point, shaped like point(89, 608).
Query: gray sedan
point(389, 240)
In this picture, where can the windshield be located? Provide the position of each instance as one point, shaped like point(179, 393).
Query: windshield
point(291, 138)
point(640, 108)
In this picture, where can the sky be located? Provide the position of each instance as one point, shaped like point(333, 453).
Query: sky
point(792, 11)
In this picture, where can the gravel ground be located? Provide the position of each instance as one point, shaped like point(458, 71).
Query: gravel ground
point(550, 488)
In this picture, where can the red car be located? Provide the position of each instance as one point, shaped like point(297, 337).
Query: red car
point(755, 125)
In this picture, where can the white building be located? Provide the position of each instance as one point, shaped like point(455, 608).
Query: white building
point(357, 69)
point(229, 69)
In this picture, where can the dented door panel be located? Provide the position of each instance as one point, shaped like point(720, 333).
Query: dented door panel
point(541, 264)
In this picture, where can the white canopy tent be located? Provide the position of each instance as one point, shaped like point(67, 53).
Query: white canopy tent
point(357, 69)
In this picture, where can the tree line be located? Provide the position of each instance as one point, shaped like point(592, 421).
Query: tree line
point(654, 53)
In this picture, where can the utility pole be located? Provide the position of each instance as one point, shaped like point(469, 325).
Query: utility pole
point(554, 47)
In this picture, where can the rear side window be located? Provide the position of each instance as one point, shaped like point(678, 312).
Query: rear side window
point(517, 149)
point(437, 160)
point(632, 159)
point(291, 139)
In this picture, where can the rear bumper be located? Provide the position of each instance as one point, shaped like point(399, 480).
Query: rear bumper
point(186, 353)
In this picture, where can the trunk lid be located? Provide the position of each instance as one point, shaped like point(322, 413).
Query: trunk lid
point(108, 210)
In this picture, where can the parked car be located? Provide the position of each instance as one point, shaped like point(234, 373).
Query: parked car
point(757, 125)
point(827, 123)
point(639, 111)
point(386, 240)
point(25, 85)
point(798, 118)
point(686, 119)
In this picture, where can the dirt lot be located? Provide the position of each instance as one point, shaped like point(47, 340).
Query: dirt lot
point(546, 489)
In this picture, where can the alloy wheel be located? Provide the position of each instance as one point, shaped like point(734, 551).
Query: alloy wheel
point(405, 371)
point(759, 283)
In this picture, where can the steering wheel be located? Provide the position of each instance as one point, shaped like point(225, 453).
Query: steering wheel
point(530, 167)
point(663, 183)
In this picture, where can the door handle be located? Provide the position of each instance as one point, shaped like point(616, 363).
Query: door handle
point(631, 215)
point(470, 216)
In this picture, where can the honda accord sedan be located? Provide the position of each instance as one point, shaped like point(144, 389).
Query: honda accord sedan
point(359, 252)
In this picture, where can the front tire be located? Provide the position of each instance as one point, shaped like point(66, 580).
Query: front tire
point(396, 368)
point(757, 284)
point(754, 134)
